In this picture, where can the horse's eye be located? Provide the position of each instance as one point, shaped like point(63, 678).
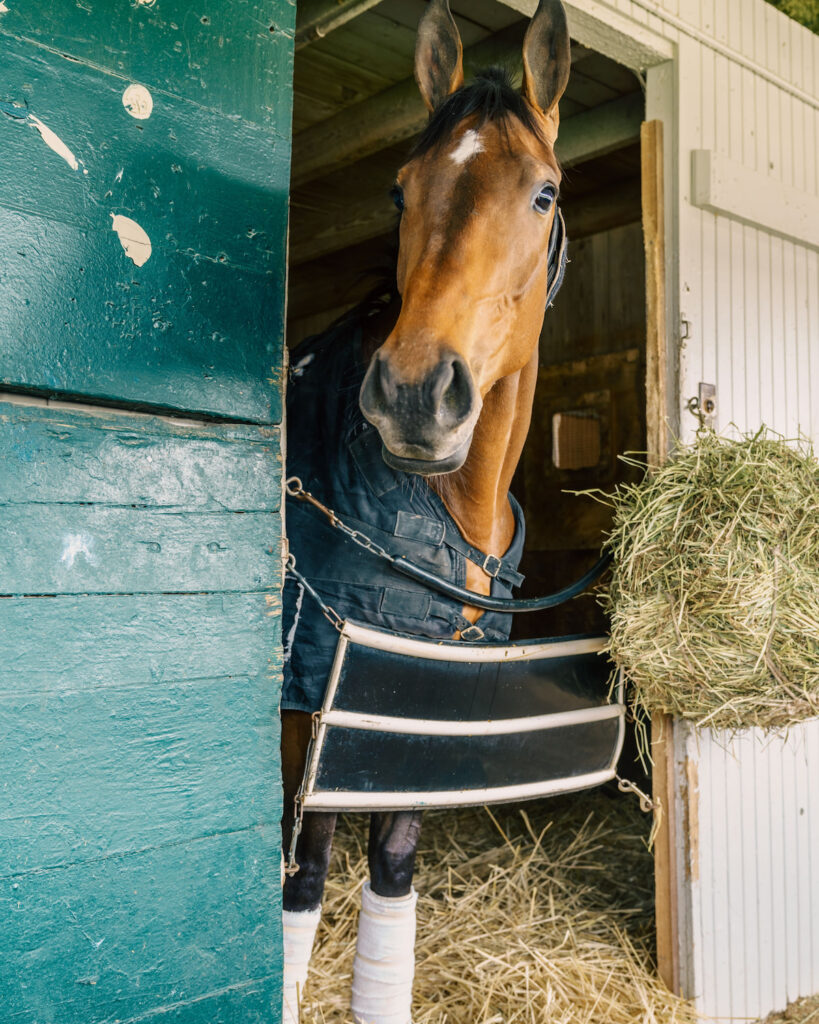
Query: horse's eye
point(397, 196)
point(544, 200)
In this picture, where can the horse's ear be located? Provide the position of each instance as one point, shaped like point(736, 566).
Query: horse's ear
point(439, 54)
point(547, 57)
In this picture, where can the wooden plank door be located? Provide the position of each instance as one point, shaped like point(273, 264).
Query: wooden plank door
point(145, 154)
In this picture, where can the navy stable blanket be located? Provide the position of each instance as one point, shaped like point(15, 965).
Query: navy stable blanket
point(337, 455)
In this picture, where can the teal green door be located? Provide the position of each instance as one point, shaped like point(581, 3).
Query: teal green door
point(144, 151)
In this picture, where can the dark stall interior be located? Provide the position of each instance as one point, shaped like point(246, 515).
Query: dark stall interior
point(356, 113)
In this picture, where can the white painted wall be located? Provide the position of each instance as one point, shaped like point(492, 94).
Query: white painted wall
point(748, 842)
point(738, 78)
point(747, 814)
point(749, 870)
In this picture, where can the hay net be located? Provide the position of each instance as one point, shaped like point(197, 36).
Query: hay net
point(714, 592)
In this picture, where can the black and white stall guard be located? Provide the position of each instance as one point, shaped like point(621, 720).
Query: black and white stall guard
point(421, 723)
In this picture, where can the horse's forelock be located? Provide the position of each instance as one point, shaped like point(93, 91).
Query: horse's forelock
point(491, 97)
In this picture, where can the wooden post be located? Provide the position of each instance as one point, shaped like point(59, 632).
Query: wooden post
point(662, 726)
point(317, 18)
point(651, 145)
point(665, 874)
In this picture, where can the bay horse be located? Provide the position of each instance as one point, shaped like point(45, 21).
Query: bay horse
point(443, 378)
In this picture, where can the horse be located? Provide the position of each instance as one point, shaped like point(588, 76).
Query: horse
point(418, 405)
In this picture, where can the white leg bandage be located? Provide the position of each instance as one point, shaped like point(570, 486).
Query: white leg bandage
point(384, 963)
point(298, 933)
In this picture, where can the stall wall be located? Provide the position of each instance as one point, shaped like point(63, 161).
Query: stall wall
point(745, 305)
point(739, 81)
point(141, 305)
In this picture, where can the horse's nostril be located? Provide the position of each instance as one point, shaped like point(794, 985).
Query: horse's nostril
point(386, 380)
point(438, 384)
point(379, 390)
point(452, 392)
point(425, 413)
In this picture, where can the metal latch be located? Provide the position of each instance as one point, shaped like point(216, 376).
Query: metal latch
point(707, 403)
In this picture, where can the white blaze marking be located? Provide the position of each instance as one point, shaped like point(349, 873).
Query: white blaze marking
point(75, 544)
point(134, 240)
point(53, 141)
point(469, 146)
point(138, 102)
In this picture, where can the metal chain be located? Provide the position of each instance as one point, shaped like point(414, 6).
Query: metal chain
point(328, 611)
point(295, 489)
point(292, 865)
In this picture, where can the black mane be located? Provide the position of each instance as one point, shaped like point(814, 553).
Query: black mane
point(491, 96)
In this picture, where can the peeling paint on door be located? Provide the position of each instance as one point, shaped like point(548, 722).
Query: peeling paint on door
point(53, 141)
point(134, 239)
point(138, 102)
point(75, 544)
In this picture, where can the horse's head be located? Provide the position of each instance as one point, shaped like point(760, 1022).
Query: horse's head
point(478, 200)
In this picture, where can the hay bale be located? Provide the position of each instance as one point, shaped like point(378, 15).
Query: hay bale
point(714, 594)
point(525, 915)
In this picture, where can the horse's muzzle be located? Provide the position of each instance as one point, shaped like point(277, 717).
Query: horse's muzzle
point(425, 424)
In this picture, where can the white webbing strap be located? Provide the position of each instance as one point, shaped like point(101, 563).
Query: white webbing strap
point(384, 964)
point(298, 934)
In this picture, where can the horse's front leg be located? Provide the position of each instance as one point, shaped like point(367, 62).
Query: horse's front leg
point(385, 959)
point(301, 898)
point(391, 852)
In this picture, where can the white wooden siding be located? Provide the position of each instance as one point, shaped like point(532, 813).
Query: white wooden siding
point(749, 869)
point(748, 842)
point(748, 848)
point(741, 80)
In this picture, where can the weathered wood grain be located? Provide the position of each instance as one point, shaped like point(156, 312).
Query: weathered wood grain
point(68, 549)
point(601, 130)
point(107, 459)
point(77, 317)
point(653, 198)
point(159, 764)
point(601, 305)
point(250, 1002)
point(76, 314)
point(139, 764)
point(195, 181)
point(73, 643)
point(234, 58)
point(126, 936)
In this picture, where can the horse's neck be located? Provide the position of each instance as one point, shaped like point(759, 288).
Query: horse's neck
point(476, 494)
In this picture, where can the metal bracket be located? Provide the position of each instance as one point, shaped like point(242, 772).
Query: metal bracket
point(707, 401)
point(704, 406)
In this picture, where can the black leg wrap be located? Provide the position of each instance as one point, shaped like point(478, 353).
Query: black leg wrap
point(393, 841)
point(303, 891)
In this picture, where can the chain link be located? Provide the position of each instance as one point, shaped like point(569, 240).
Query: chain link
point(646, 803)
point(295, 489)
point(292, 865)
point(328, 611)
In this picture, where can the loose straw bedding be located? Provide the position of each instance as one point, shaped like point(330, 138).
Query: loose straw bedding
point(531, 914)
point(714, 594)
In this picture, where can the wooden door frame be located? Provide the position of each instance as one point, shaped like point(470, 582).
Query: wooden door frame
point(653, 57)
